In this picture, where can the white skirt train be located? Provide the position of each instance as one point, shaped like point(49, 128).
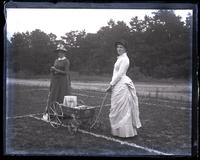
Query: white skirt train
point(124, 111)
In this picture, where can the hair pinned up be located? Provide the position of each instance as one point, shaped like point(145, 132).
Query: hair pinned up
point(121, 42)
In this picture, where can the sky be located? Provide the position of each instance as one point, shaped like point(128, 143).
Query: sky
point(61, 21)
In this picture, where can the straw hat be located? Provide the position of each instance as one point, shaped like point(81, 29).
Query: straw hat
point(61, 47)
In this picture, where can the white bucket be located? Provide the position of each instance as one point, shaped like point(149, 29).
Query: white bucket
point(70, 101)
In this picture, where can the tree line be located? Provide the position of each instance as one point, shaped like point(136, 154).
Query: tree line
point(158, 47)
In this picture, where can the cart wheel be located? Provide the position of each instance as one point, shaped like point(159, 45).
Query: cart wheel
point(74, 126)
point(70, 130)
point(55, 115)
point(58, 109)
point(75, 129)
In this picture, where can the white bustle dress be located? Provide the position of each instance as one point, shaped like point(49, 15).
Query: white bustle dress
point(124, 111)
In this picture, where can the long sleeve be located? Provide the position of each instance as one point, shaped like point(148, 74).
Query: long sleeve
point(67, 64)
point(123, 67)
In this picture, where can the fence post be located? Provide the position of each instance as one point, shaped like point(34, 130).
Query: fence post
point(157, 94)
point(181, 98)
point(149, 95)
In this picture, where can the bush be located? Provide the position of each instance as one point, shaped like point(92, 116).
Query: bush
point(135, 74)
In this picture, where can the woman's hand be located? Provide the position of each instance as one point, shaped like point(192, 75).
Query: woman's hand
point(109, 89)
point(55, 70)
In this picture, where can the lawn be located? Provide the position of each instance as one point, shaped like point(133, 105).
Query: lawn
point(166, 127)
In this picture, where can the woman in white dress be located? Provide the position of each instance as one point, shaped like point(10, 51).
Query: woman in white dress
point(124, 111)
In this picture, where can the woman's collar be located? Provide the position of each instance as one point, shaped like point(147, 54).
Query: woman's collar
point(62, 58)
point(122, 55)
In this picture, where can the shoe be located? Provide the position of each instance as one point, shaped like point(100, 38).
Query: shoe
point(45, 117)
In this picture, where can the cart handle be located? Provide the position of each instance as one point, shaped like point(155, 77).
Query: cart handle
point(104, 98)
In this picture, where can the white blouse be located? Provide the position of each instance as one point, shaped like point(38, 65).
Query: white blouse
point(120, 68)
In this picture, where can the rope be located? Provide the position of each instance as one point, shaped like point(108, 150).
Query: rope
point(99, 110)
point(46, 108)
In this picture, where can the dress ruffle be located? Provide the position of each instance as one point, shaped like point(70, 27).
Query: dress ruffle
point(124, 111)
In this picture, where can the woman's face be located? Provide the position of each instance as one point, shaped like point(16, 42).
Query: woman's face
point(61, 54)
point(120, 49)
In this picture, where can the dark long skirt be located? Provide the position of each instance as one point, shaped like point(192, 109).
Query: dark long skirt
point(60, 86)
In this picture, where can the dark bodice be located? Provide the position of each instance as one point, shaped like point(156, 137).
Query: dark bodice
point(62, 65)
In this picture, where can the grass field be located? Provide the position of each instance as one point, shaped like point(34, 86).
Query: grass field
point(172, 91)
point(166, 127)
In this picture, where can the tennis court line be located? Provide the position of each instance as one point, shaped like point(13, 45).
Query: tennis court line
point(29, 115)
point(150, 104)
point(125, 143)
point(23, 116)
point(179, 108)
point(112, 139)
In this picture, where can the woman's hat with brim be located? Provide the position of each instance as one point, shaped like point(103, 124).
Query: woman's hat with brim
point(61, 48)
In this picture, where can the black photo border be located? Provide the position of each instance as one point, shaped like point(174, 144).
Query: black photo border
point(120, 5)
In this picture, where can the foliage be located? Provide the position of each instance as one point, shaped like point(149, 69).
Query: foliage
point(158, 46)
point(32, 52)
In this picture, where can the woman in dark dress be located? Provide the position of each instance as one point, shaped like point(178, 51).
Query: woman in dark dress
point(60, 84)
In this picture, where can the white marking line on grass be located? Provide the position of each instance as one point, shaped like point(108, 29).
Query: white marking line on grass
point(112, 139)
point(124, 143)
point(181, 108)
point(150, 104)
point(165, 100)
point(23, 116)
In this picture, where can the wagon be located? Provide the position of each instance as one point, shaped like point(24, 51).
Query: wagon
point(74, 117)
